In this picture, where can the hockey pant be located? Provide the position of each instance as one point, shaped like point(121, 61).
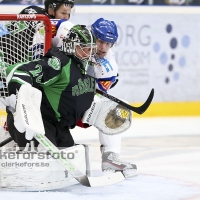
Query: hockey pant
point(60, 137)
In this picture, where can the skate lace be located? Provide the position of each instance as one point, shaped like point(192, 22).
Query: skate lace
point(116, 157)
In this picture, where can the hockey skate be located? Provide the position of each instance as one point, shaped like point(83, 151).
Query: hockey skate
point(111, 163)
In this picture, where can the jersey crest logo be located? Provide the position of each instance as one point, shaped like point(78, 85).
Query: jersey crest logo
point(84, 86)
point(54, 63)
point(104, 85)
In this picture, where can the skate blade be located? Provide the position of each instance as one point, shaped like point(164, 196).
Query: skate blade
point(130, 173)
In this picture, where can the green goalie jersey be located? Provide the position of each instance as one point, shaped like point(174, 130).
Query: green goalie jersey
point(67, 92)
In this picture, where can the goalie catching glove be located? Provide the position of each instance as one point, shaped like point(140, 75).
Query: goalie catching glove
point(108, 116)
point(27, 117)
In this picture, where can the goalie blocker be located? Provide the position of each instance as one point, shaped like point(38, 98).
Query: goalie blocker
point(108, 116)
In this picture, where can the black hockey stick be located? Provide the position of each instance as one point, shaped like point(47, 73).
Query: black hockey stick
point(140, 110)
point(6, 141)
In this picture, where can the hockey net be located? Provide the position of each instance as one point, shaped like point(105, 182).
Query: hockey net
point(22, 38)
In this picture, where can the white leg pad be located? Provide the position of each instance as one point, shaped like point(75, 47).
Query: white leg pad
point(28, 172)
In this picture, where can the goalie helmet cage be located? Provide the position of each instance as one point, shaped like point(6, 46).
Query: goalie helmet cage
point(22, 38)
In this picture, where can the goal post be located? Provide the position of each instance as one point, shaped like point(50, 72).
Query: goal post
point(22, 38)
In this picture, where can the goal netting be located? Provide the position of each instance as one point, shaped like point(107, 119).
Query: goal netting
point(22, 38)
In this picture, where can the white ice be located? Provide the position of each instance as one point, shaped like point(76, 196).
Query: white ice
point(166, 152)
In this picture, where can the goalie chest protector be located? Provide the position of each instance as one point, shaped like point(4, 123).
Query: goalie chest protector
point(72, 94)
point(78, 95)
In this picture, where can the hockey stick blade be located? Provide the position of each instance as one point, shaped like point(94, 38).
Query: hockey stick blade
point(139, 110)
point(81, 178)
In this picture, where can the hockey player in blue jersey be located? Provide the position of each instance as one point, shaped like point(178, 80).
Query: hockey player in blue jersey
point(106, 35)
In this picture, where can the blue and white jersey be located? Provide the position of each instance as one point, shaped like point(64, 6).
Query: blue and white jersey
point(109, 69)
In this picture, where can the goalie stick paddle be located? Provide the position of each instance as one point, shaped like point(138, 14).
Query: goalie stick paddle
point(140, 110)
point(81, 178)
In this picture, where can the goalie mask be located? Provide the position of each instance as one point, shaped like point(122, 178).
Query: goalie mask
point(80, 43)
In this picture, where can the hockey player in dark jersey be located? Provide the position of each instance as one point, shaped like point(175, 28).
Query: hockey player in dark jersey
point(67, 92)
point(54, 9)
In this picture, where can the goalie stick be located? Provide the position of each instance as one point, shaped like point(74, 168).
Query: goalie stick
point(140, 110)
point(81, 178)
point(95, 181)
